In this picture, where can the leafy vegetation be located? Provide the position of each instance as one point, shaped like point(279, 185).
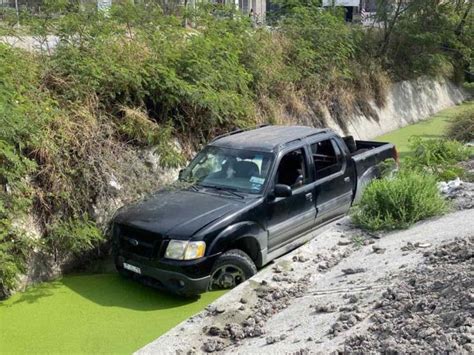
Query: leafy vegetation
point(74, 235)
point(392, 203)
point(438, 157)
point(424, 37)
point(425, 161)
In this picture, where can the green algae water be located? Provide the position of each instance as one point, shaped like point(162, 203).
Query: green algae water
point(434, 127)
point(91, 314)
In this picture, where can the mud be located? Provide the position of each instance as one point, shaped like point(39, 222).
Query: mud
point(271, 299)
point(430, 311)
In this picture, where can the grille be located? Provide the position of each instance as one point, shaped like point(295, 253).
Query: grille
point(139, 242)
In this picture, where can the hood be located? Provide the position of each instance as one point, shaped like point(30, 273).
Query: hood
point(178, 214)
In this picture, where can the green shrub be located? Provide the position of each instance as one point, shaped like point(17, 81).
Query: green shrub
point(438, 157)
point(399, 202)
point(461, 127)
point(321, 47)
point(73, 235)
point(14, 249)
point(138, 127)
point(424, 38)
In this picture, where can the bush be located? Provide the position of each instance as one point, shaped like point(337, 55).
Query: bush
point(461, 127)
point(438, 157)
point(73, 235)
point(321, 47)
point(21, 119)
point(399, 202)
point(14, 249)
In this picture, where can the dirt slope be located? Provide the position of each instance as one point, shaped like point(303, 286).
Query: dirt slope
point(334, 293)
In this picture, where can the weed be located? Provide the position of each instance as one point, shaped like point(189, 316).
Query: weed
point(399, 202)
point(358, 241)
point(438, 157)
point(74, 235)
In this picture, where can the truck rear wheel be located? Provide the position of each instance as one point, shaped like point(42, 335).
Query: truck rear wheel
point(231, 269)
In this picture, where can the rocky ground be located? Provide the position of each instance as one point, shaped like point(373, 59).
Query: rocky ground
point(430, 310)
point(350, 291)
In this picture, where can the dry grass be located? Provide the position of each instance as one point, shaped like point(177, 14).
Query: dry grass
point(461, 126)
point(342, 99)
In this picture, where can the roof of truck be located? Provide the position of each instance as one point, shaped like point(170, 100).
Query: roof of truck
point(266, 138)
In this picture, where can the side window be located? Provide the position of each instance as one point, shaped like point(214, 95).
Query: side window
point(292, 170)
point(327, 158)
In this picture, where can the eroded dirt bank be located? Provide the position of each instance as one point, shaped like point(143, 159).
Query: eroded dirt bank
point(347, 290)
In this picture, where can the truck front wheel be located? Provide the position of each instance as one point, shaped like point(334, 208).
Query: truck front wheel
point(231, 269)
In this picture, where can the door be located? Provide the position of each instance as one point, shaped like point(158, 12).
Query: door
point(333, 184)
point(287, 217)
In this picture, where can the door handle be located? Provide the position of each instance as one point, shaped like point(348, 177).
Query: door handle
point(309, 196)
point(347, 179)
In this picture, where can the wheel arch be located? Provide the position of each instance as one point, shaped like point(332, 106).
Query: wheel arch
point(246, 236)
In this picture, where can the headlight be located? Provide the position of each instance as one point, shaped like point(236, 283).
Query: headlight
point(175, 249)
point(183, 250)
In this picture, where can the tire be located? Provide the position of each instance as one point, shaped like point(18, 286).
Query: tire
point(233, 264)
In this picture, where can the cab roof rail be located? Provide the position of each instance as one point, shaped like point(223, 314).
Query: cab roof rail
point(240, 130)
point(322, 131)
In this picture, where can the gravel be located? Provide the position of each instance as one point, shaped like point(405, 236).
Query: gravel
point(430, 311)
point(460, 193)
point(351, 271)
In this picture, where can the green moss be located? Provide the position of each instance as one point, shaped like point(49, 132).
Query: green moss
point(91, 314)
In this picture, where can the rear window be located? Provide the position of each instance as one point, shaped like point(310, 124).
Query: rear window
point(327, 158)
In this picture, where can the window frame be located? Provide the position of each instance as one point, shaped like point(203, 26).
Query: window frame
point(341, 162)
point(264, 187)
point(308, 163)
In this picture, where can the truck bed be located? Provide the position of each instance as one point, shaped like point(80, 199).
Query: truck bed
point(367, 156)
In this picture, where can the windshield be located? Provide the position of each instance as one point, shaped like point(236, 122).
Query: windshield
point(232, 169)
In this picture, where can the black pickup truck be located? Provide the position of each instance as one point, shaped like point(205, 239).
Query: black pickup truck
point(250, 197)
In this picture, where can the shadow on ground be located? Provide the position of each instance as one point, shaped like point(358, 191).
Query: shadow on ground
point(34, 293)
point(112, 290)
point(107, 290)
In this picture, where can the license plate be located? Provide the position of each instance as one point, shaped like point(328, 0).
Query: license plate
point(132, 268)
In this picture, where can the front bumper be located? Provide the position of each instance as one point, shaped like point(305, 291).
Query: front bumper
point(185, 278)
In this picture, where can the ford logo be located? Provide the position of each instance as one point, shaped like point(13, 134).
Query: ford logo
point(134, 242)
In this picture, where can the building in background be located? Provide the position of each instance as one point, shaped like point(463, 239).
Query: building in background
point(351, 6)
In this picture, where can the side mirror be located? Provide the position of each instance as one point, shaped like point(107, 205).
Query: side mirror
point(180, 174)
point(282, 190)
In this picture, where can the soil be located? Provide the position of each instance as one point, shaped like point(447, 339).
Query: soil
point(430, 311)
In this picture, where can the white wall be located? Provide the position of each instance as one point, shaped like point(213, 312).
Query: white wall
point(407, 102)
